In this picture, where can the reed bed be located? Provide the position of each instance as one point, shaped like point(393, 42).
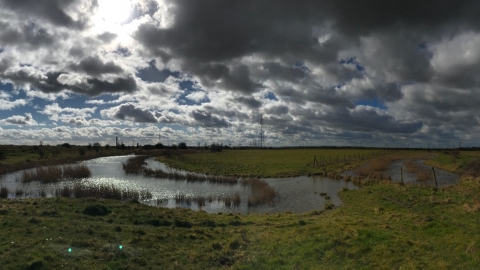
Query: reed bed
point(233, 200)
point(112, 192)
point(55, 174)
point(423, 174)
point(261, 192)
point(134, 165)
point(190, 177)
point(50, 174)
point(76, 171)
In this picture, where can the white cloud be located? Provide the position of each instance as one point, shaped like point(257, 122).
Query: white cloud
point(19, 120)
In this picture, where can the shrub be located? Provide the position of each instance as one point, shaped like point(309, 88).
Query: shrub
point(148, 147)
point(159, 146)
point(96, 147)
point(234, 244)
point(182, 224)
point(3, 154)
point(66, 145)
point(82, 151)
point(182, 145)
point(96, 210)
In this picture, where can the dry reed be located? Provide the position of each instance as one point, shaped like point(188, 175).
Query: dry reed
point(112, 192)
point(55, 174)
point(261, 192)
point(76, 171)
point(423, 174)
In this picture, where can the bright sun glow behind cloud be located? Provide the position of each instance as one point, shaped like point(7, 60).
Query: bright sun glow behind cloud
point(114, 11)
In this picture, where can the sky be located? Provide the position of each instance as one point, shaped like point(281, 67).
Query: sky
point(319, 73)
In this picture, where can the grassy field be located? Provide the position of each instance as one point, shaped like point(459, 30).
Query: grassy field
point(271, 163)
point(383, 226)
point(17, 157)
point(448, 162)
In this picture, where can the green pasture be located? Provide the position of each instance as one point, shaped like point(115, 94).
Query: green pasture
point(271, 162)
point(382, 226)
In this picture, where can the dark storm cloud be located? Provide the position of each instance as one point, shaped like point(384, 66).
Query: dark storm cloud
point(130, 111)
point(94, 66)
point(362, 119)
point(219, 30)
point(52, 11)
point(107, 37)
point(283, 72)
point(364, 17)
point(29, 35)
point(96, 87)
point(206, 119)
point(5, 63)
point(50, 84)
point(277, 110)
point(250, 102)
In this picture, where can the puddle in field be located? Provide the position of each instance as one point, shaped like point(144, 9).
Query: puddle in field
point(443, 178)
point(395, 173)
point(297, 194)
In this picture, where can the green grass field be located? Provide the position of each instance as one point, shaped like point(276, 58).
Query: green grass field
point(383, 226)
point(447, 162)
point(16, 157)
point(270, 163)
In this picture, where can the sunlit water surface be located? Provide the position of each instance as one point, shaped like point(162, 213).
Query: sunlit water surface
point(298, 194)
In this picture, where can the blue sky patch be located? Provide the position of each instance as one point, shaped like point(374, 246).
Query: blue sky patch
point(373, 103)
point(270, 96)
point(152, 74)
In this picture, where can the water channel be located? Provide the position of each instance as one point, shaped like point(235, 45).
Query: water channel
point(298, 194)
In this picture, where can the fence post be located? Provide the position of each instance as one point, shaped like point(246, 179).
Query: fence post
point(434, 177)
point(401, 174)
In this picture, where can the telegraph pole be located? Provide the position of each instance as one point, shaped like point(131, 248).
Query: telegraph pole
point(262, 134)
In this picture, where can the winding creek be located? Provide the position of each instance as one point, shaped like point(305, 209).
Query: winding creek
point(298, 194)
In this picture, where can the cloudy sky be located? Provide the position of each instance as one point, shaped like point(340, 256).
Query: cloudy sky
point(372, 73)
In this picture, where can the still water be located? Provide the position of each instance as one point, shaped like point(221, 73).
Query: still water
point(298, 194)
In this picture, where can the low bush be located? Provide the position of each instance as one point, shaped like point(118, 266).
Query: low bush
point(96, 210)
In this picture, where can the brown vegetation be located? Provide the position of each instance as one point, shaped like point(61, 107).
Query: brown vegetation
point(261, 192)
point(76, 171)
point(80, 190)
point(55, 174)
point(423, 174)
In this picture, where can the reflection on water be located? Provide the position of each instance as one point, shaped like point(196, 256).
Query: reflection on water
point(299, 194)
point(443, 178)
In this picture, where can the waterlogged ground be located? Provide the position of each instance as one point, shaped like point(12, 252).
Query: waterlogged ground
point(398, 168)
point(298, 194)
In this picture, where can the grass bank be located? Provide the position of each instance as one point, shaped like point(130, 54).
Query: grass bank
point(271, 162)
point(453, 161)
point(382, 226)
point(18, 157)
